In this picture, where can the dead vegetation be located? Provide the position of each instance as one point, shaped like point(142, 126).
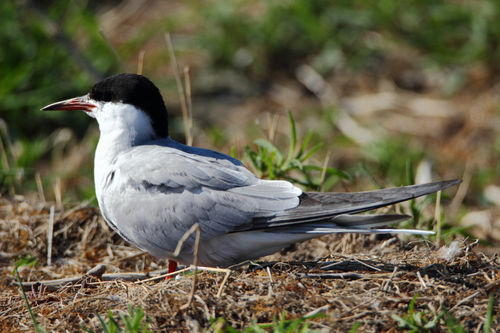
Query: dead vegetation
point(348, 278)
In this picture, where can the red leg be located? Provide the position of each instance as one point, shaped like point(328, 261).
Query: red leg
point(172, 266)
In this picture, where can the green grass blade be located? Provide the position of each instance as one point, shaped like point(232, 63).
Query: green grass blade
point(27, 261)
point(314, 149)
point(293, 138)
point(452, 323)
point(489, 314)
point(263, 143)
point(304, 144)
point(403, 322)
point(355, 327)
point(233, 152)
point(433, 323)
point(128, 323)
point(105, 326)
point(113, 324)
point(411, 307)
point(253, 158)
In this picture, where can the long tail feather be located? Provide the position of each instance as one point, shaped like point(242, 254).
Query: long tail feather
point(321, 206)
point(363, 231)
point(368, 221)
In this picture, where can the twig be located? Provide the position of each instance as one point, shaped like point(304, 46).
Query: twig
point(463, 188)
point(97, 271)
point(357, 306)
point(39, 186)
point(323, 170)
point(270, 291)
point(58, 193)
point(422, 282)
point(187, 82)
point(140, 62)
point(223, 283)
point(133, 256)
point(321, 309)
point(492, 285)
point(390, 279)
point(184, 237)
point(216, 270)
point(437, 218)
point(180, 88)
point(332, 275)
point(105, 278)
point(195, 265)
point(357, 315)
point(273, 120)
point(367, 265)
point(164, 275)
point(465, 300)
point(205, 307)
point(50, 234)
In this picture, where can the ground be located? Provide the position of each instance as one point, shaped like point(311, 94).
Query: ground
point(348, 279)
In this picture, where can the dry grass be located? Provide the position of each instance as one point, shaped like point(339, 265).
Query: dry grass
point(349, 278)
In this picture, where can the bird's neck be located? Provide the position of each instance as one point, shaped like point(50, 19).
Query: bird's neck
point(122, 127)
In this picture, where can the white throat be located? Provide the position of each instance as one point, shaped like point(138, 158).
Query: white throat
point(122, 126)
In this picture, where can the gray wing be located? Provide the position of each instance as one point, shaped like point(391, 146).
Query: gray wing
point(156, 193)
point(321, 206)
point(317, 214)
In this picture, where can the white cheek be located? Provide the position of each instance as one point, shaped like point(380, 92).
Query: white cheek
point(124, 120)
point(95, 110)
point(90, 113)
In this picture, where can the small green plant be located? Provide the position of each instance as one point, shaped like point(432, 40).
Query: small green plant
point(355, 327)
point(30, 262)
point(416, 321)
point(273, 164)
point(281, 325)
point(452, 324)
point(424, 322)
point(134, 321)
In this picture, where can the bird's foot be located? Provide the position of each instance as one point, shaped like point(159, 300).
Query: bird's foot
point(172, 266)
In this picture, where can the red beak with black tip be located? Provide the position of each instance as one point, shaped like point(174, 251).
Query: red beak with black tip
point(78, 103)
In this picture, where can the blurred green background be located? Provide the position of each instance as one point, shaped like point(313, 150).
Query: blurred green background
point(394, 91)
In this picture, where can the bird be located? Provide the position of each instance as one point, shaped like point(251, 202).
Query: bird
point(152, 189)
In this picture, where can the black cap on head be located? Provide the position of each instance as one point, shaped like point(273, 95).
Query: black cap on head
point(136, 90)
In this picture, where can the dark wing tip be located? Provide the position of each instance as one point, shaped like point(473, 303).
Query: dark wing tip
point(444, 184)
point(449, 183)
point(424, 189)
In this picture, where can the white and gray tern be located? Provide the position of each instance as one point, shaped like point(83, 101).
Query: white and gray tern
point(152, 189)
